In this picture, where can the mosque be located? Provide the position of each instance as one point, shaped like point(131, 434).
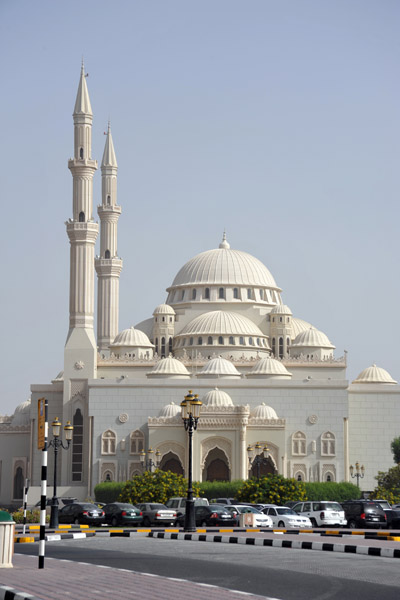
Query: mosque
point(265, 376)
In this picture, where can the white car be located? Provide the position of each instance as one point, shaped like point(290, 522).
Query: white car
point(322, 513)
point(283, 516)
point(259, 519)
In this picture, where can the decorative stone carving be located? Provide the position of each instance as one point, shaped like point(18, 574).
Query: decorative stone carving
point(79, 365)
point(123, 417)
point(313, 419)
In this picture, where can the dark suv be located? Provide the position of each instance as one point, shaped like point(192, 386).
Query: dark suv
point(364, 513)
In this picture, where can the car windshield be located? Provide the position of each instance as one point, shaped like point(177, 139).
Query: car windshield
point(126, 506)
point(331, 506)
point(156, 506)
point(286, 511)
point(88, 506)
point(383, 504)
point(249, 509)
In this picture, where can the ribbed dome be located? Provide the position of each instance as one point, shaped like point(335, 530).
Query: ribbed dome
point(169, 367)
point(374, 374)
point(170, 410)
point(269, 367)
point(164, 309)
point(218, 322)
point(263, 411)
point(312, 338)
point(281, 309)
point(132, 338)
point(298, 325)
point(224, 266)
point(219, 367)
point(22, 414)
point(217, 397)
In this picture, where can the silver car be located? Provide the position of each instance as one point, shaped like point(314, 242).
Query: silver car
point(157, 514)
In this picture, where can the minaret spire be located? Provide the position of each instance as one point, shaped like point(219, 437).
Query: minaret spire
point(108, 264)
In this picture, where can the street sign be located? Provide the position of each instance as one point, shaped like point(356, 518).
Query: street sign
point(41, 422)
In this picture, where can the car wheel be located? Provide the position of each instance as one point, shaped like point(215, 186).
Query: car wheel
point(114, 522)
point(351, 524)
point(281, 524)
point(313, 523)
point(76, 521)
point(146, 522)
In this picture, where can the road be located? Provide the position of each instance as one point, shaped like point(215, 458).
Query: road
point(285, 574)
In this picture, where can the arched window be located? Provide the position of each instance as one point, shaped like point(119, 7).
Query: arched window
point(299, 443)
point(207, 293)
point(200, 341)
point(258, 342)
point(261, 294)
point(209, 341)
point(231, 340)
point(109, 200)
point(170, 345)
point(77, 446)
point(182, 294)
point(328, 444)
point(108, 442)
point(280, 319)
point(221, 293)
point(299, 477)
point(18, 489)
point(249, 294)
point(193, 294)
point(241, 341)
point(156, 344)
point(107, 254)
point(221, 340)
point(81, 153)
point(163, 319)
point(81, 217)
point(280, 347)
point(273, 347)
point(235, 293)
point(287, 343)
point(251, 343)
point(191, 342)
point(183, 341)
point(136, 442)
point(163, 346)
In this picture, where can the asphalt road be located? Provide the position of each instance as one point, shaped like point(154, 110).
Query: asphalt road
point(285, 574)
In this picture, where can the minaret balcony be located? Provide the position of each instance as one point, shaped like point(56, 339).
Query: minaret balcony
point(82, 232)
point(108, 267)
point(82, 166)
point(108, 212)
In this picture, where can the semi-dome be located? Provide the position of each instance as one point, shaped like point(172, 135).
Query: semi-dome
point(132, 338)
point(217, 397)
point(219, 322)
point(270, 368)
point(298, 326)
point(169, 367)
point(164, 309)
point(263, 411)
point(22, 414)
point(374, 374)
point(224, 266)
point(281, 309)
point(219, 367)
point(312, 338)
point(170, 410)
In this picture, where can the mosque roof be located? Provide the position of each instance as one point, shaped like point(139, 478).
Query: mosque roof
point(217, 397)
point(311, 338)
point(269, 367)
point(132, 338)
point(219, 322)
point(169, 367)
point(374, 374)
point(263, 411)
point(219, 367)
point(170, 410)
point(281, 309)
point(164, 309)
point(22, 414)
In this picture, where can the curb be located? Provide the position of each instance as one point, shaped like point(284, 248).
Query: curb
point(295, 544)
point(8, 593)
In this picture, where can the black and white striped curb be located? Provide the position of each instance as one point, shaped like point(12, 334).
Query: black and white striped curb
point(8, 593)
point(295, 544)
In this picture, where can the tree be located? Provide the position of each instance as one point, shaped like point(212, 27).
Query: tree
point(388, 486)
point(395, 446)
point(156, 487)
point(272, 489)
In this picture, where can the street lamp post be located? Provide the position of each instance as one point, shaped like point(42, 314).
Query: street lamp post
point(259, 458)
point(359, 474)
point(148, 463)
point(190, 407)
point(57, 443)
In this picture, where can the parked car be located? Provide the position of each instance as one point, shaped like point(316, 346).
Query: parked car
point(322, 513)
point(81, 513)
point(210, 516)
point(157, 514)
point(120, 513)
point(390, 512)
point(283, 516)
point(260, 519)
point(364, 513)
point(223, 501)
point(179, 504)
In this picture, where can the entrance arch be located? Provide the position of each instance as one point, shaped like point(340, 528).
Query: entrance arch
point(171, 462)
point(216, 466)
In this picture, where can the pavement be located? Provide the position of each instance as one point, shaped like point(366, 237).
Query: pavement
point(64, 579)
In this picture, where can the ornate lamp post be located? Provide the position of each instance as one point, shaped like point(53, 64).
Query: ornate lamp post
point(260, 458)
point(148, 463)
point(360, 471)
point(191, 407)
point(57, 443)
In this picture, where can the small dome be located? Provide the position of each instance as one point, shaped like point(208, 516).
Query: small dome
point(170, 410)
point(263, 411)
point(169, 367)
point(219, 322)
point(217, 397)
point(22, 414)
point(374, 374)
point(312, 338)
point(132, 338)
point(164, 309)
point(281, 309)
point(298, 325)
point(219, 367)
point(269, 367)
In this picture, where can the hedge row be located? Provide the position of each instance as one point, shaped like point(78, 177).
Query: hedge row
point(329, 490)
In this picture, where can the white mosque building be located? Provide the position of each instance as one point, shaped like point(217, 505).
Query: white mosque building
point(263, 374)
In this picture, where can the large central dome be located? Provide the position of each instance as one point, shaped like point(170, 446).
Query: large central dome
point(224, 266)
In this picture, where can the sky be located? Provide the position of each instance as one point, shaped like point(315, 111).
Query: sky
point(277, 121)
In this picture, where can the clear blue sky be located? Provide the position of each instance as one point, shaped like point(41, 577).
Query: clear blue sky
point(276, 120)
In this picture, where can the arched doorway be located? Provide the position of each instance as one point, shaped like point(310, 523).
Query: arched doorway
point(170, 462)
point(216, 467)
point(266, 467)
point(18, 484)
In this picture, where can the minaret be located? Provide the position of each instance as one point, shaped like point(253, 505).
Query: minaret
point(80, 348)
point(108, 265)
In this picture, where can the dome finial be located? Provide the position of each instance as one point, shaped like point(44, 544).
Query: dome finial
point(224, 244)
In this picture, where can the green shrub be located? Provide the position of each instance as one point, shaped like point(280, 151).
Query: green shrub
point(32, 516)
point(272, 489)
point(388, 486)
point(109, 491)
point(220, 489)
point(156, 487)
point(330, 490)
